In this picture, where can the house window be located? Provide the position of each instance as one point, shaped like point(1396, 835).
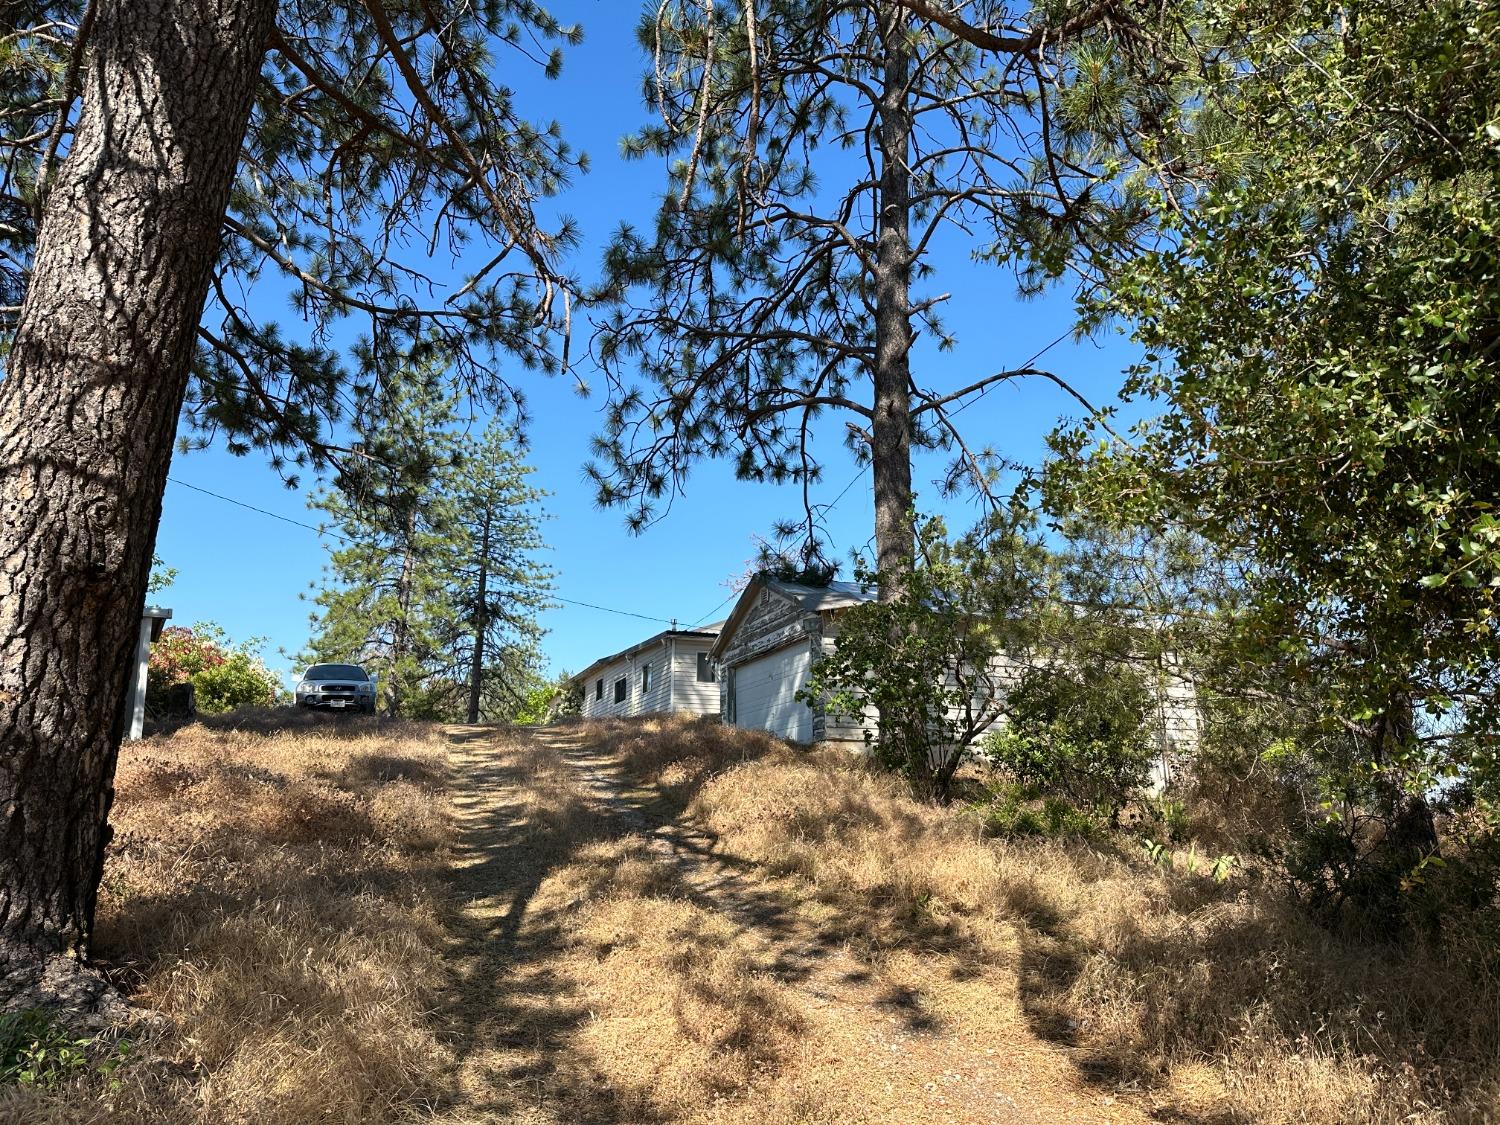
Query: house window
point(599, 689)
point(645, 678)
point(620, 686)
point(705, 669)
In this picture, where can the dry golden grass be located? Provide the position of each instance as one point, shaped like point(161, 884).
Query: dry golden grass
point(277, 894)
point(634, 974)
point(664, 921)
point(1216, 1000)
point(1108, 989)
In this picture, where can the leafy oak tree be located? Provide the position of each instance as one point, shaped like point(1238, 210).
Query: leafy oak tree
point(176, 156)
point(817, 151)
point(1322, 344)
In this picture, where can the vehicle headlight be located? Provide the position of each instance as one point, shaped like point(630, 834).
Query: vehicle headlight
point(304, 687)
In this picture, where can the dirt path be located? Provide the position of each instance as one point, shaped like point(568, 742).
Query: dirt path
point(618, 966)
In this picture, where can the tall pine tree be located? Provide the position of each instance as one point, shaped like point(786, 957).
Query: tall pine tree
point(817, 151)
point(182, 153)
point(387, 606)
point(501, 584)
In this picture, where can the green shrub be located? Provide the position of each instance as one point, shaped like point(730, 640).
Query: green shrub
point(1009, 813)
point(239, 681)
point(1077, 733)
point(35, 1051)
point(1171, 813)
point(224, 676)
point(927, 660)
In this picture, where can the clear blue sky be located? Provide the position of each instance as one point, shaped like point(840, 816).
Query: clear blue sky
point(248, 571)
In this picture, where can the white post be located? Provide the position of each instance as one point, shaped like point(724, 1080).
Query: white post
point(138, 684)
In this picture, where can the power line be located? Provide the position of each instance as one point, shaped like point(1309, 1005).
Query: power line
point(262, 511)
point(955, 413)
point(710, 613)
point(607, 609)
point(847, 487)
point(345, 539)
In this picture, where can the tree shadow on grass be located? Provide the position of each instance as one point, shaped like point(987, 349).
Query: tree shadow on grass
point(1205, 967)
point(1224, 970)
point(658, 769)
point(365, 773)
point(505, 994)
point(509, 1017)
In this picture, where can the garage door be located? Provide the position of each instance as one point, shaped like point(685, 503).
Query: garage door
point(764, 691)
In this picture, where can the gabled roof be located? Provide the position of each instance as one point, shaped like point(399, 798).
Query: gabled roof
point(835, 595)
point(705, 632)
point(813, 599)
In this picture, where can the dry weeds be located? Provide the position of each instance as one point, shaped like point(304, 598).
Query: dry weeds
point(1217, 1002)
point(624, 970)
point(277, 894)
point(667, 921)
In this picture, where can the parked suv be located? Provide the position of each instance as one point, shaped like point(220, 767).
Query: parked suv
point(338, 687)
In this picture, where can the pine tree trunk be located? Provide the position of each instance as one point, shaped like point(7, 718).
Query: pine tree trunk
point(891, 430)
point(88, 414)
point(481, 621)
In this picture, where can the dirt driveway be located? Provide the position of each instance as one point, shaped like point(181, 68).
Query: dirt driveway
point(617, 965)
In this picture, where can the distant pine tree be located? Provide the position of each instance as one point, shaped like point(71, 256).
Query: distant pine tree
point(437, 586)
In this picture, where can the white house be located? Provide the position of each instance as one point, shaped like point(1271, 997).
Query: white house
point(767, 646)
point(668, 672)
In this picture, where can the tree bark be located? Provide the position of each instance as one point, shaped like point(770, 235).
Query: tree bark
point(891, 429)
point(88, 414)
point(481, 620)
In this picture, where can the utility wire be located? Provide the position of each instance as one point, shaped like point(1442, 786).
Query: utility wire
point(732, 594)
point(847, 487)
point(826, 508)
point(570, 601)
point(964, 406)
point(607, 609)
point(344, 539)
point(262, 511)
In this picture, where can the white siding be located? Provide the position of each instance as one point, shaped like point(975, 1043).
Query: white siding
point(765, 692)
point(654, 700)
point(768, 656)
point(674, 686)
point(596, 708)
point(688, 694)
point(636, 702)
point(1179, 720)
